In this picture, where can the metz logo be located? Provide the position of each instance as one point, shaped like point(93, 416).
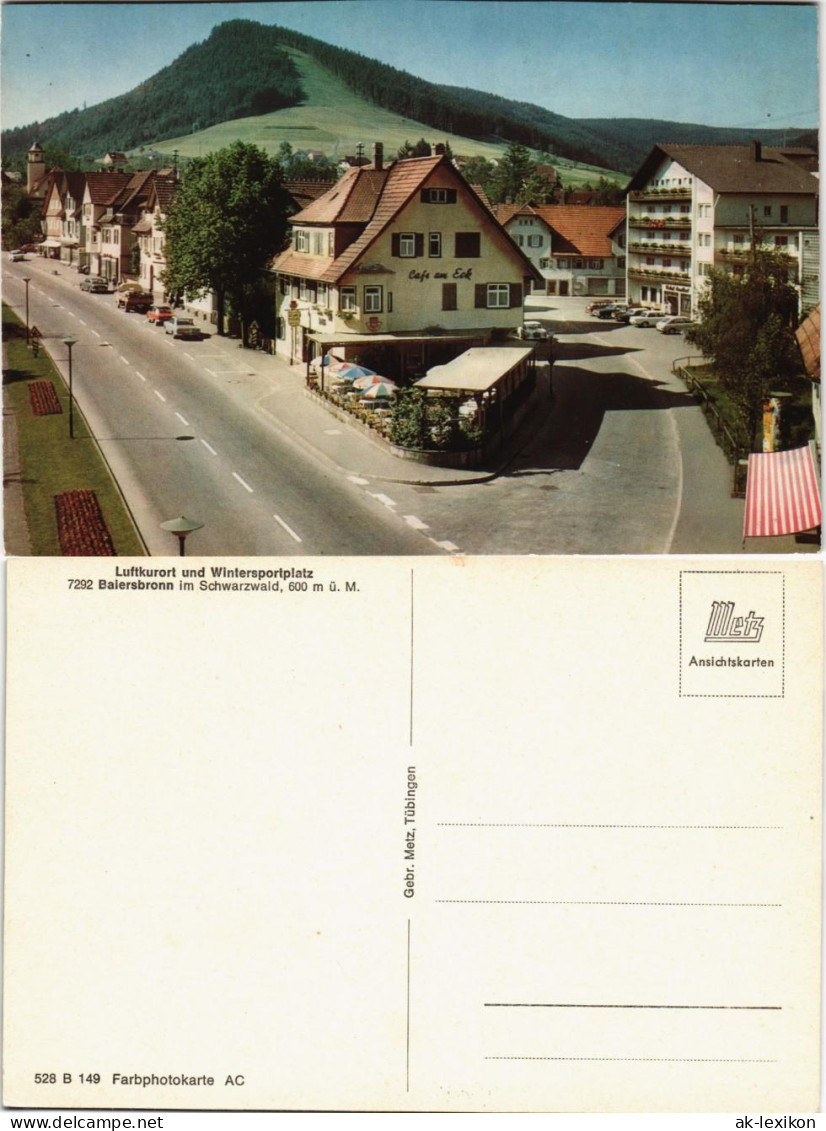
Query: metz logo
point(725, 628)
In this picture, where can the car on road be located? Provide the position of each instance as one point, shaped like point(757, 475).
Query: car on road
point(646, 318)
point(135, 300)
point(628, 313)
point(95, 285)
point(606, 312)
point(17, 255)
point(181, 327)
point(157, 315)
point(533, 331)
point(673, 324)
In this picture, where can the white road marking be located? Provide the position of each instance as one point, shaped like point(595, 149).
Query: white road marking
point(332, 431)
point(447, 545)
point(291, 532)
point(97, 335)
point(123, 359)
point(388, 502)
point(235, 475)
point(209, 371)
point(160, 396)
point(140, 375)
point(70, 314)
point(415, 522)
point(209, 447)
point(186, 422)
point(189, 355)
point(358, 480)
point(80, 320)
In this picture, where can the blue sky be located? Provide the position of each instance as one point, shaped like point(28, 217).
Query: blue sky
point(744, 65)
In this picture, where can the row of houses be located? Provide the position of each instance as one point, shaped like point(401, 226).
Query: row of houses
point(409, 249)
point(94, 221)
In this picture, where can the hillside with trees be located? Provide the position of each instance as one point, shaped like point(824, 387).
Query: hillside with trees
point(237, 72)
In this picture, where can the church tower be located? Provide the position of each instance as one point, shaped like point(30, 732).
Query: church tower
point(35, 166)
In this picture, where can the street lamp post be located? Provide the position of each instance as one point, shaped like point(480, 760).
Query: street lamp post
point(27, 280)
point(180, 527)
point(68, 343)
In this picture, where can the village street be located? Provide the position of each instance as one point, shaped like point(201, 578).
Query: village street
point(619, 461)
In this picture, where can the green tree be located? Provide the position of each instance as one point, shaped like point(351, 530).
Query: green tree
point(21, 217)
point(746, 328)
point(227, 222)
point(512, 173)
point(480, 171)
point(537, 189)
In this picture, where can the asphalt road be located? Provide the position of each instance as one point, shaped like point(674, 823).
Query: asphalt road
point(620, 462)
point(182, 429)
point(605, 471)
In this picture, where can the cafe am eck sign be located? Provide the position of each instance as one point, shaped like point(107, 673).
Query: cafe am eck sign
point(459, 273)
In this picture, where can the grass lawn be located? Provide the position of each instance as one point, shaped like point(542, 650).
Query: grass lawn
point(50, 462)
point(796, 422)
point(334, 119)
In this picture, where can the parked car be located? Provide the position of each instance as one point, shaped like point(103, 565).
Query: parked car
point(673, 324)
point(95, 285)
point(30, 248)
point(159, 314)
point(181, 327)
point(606, 312)
point(628, 313)
point(17, 255)
point(135, 300)
point(646, 318)
point(533, 331)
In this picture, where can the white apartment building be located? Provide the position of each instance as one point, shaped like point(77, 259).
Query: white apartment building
point(692, 208)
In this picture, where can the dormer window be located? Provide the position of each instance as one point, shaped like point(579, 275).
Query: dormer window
point(302, 240)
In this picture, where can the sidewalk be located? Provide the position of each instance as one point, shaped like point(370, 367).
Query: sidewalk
point(351, 448)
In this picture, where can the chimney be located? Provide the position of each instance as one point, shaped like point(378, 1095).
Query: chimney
point(378, 155)
point(757, 151)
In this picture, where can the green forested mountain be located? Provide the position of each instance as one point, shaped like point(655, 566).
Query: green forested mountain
point(238, 71)
point(245, 69)
point(640, 134)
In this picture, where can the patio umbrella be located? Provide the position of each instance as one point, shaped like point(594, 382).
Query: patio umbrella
point(380, 390)
point(373, 379)
point(350, 372)
point(323, 362)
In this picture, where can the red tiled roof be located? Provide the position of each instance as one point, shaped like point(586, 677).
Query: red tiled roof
point(135, 187)
point(162, 192)
point(505, 212)
point(374, 198)
point(308, 266)
point(483, 196)
point(305, 192)
point(328, 208)
point(102, 186)
point(581, 229)
point(401, 181)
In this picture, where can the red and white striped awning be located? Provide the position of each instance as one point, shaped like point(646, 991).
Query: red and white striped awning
point(782, 494)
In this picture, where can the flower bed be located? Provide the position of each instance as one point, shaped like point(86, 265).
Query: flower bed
point(81, 528)
point(44, 398)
